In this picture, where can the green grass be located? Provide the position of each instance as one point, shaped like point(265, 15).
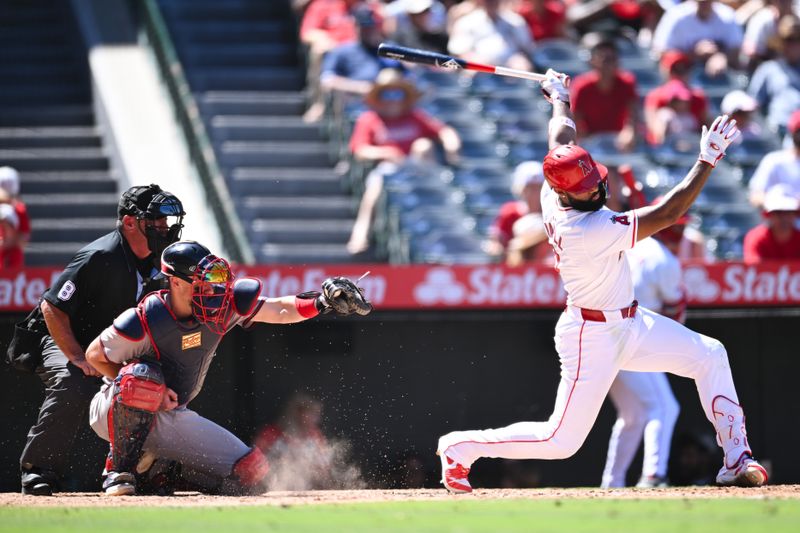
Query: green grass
point(490, 516)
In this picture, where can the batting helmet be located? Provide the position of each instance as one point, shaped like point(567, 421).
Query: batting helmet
point(570, 168)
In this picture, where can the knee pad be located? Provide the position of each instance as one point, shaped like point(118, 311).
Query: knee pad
point(140, 386)
point(138, 390)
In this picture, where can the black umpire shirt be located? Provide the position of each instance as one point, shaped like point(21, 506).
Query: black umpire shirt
point(103, 279)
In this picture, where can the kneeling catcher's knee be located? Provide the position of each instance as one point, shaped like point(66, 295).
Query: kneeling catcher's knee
point(140, 386)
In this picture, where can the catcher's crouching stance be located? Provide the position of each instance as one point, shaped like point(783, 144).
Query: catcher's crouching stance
point(155, 358)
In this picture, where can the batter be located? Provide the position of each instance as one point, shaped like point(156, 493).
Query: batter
point(603, 330)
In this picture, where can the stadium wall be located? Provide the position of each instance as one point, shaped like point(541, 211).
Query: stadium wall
point(394, 381)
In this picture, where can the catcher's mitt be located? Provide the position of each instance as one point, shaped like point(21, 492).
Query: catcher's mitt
point(343, 297)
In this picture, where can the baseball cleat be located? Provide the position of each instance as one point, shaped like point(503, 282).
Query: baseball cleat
point(747, 473)
point(35, 483)
point(119, 484)
point(652, 482)
point(454, 475)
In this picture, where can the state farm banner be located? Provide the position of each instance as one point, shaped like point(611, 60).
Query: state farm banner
point(470, 287)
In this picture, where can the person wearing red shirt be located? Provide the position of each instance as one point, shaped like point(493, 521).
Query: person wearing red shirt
point(545, 18)
point(778, 238)
point(13, 240)
point(299, 454)
point(604, 100)
point(674, 66)
point(518, 231)
point(392, 132)
point(327, 24)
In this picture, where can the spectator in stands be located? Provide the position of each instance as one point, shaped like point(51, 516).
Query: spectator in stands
point(418, 24)
point(779, 167)
point(704, 29)
point(674, 66)
point(9, 225)
point(492, 33)
point(14, 241)
point(618, 17)
point(351, 68)
point(741, 106)
point(391, 133)
point(675, 118)
point(546, 19)
point(604, 100)
point(776, 83)
point(778, 237)
point(325, 25)
point(297, 449)
point(517, 233)
point(760, 32)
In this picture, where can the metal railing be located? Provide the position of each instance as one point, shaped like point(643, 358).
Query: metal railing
point(201, 151)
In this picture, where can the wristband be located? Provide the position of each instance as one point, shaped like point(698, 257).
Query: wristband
point(307, 307)
point(561, 121)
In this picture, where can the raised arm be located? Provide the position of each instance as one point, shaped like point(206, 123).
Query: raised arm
point(676, 202)
point(562, 126)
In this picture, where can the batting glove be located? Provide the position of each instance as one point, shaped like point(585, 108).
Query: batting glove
point(555, 86)
point(716, 140)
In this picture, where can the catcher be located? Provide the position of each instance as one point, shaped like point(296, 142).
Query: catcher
point(155, 358)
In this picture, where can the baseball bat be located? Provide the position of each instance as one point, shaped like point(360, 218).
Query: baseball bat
point(436, 59)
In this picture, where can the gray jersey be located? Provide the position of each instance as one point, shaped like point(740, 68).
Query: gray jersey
point(184, 348)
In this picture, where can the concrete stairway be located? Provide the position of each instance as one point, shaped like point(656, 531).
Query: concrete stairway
point(241, 59)
point(47, 130)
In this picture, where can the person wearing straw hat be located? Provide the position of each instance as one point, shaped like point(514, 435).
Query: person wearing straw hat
point(391, 133)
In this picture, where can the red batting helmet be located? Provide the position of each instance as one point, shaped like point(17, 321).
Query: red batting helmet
point(570, 168)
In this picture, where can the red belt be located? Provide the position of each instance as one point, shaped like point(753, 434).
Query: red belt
point(599, 316)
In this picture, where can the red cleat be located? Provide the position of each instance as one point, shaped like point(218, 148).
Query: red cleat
point(454, 475)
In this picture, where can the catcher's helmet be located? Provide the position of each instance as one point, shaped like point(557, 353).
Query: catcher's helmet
point(211, 279)
point(181, 259)
point(570, 168)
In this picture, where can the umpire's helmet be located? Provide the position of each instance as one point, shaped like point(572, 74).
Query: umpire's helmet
point(150, 203)
point(570, 168)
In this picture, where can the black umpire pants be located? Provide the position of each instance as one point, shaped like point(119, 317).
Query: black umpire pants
point(64, 412)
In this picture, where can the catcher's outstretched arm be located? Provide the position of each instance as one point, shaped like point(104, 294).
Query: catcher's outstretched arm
point(282, 310)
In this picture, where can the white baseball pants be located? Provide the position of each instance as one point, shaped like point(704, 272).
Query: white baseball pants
point(645, 407)
point(591, 355)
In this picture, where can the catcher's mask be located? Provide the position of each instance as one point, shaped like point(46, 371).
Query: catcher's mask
point(162, 212)
point(211, 279)
point(212, 291)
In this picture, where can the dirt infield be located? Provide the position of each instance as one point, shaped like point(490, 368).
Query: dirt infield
point(189, 499)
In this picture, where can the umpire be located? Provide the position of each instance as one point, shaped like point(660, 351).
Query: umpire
point(104, 278)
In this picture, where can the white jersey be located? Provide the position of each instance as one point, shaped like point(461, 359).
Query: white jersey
point(590, 252)
point(657, 278)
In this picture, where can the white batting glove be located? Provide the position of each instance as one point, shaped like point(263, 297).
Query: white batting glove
point(555, 86)
point(716, 140)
